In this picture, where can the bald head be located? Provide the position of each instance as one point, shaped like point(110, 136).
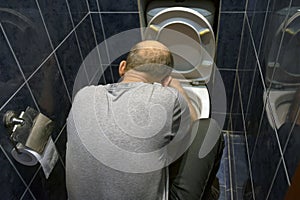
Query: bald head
point(151, 57)
point(148, 44)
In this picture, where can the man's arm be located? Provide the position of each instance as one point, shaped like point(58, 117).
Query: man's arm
point(174, 83)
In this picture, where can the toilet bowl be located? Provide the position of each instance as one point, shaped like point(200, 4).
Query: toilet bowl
point(283, 70)
point(190, 38)
point(279, 104)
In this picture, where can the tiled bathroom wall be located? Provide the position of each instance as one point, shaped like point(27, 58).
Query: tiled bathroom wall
point(258, 159)
point(43, 44)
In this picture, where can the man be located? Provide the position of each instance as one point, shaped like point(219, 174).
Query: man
point(117, 133)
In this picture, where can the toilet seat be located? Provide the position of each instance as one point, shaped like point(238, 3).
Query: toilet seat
point(190, 38)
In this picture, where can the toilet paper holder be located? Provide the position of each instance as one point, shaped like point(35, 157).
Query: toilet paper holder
point(30, 135)
point(30, 129)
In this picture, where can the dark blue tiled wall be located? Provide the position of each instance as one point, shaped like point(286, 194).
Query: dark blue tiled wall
point(43, 45)
point(42, 76)
point(33, 78)
point(269, 165)
point(241, 56)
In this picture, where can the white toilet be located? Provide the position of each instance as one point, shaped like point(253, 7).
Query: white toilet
point(190, 37)
point(283, 69)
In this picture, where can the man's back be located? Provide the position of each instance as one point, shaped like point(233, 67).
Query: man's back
point(110, 129)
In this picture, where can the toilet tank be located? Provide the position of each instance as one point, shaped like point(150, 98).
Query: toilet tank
point(204, 7)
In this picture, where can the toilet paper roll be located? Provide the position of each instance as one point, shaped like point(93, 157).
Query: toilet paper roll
point(25, 156)
point(29, 157)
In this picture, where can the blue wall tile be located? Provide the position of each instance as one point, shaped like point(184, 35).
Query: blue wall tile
point(247, 57)
point(259, 27)
point(228, 79)
point(231, 5)
point(115, 23)
point(10, 182)
point(52, 188)
point(118, 5)
point(237, 122)
point(93, 5)
point(96, 18)
point(61, 145)
point(99, 32)
point(245, 78)
point(70, 60)
point(86, 37)
point(265, 156)
point(255, 102)
point(25, 30)
point(31, 44)
point(229, 39)
point(10, 75)
point(280, 185)
point(57, 19)
point(28, 196)
point(78, 10)
point(290, 143)
point(48, 89)
point(277, 5)
point(258, 5)
point(15, 4)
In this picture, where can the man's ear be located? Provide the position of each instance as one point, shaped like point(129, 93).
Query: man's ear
point(122, 68)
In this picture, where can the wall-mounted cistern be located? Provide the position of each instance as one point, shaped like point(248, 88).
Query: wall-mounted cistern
point(30, 135)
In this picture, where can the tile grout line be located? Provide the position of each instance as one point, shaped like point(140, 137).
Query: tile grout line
point(240, 96)
point(105, 42)
point(19, 67)
point(77, 41)
point(114, 12)
point(33, 177)
point(253, 79)
point(95, 37)
point(237, 64)
point(278, 143)
point(232, 12)
point(273, 179)
point(246, 140)
point(28, 190)
point(256, 56)
point(58, 46)
point(52, 47)
point(259, 129)
point(16, 170)
point(284, 149)
point(254, 73)
point(12, 96)
point(259, 49)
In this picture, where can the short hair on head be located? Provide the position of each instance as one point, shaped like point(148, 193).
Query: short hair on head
point(150, 57)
